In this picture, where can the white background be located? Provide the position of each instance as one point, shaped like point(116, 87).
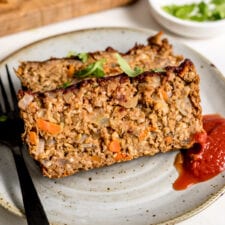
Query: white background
point(136, 15)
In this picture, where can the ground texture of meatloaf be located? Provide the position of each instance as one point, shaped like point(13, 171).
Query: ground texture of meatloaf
point(53, 73)
point(101, 121)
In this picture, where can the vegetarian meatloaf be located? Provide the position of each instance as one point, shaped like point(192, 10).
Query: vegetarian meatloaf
point(102, 121)
point(56, 72)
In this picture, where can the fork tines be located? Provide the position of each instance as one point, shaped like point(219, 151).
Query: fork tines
point(6, 104)
point(12, 89)
point(5, 99)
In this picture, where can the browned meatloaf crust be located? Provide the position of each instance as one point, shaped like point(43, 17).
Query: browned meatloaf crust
point(53, 73)
point(101, 121)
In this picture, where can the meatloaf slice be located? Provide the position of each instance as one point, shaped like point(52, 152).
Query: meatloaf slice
point(53, 73)
point(102, 121)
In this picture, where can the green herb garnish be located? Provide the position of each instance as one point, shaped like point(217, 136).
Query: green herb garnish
point(83, 56)
point(93, 70)
point(3, 118)
point(66, 84)
point(211, 11)
point(125, 67)
point(158, 70)
point(71, 54)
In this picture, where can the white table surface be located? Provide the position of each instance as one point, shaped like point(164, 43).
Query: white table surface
point(136, 15)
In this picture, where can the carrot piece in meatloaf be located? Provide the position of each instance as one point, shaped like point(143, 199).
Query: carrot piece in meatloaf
point(55, 72)
point(102, 121)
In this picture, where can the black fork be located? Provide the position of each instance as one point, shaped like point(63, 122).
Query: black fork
point(11, 128)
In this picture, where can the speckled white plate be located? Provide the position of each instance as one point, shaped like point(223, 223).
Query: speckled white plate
point(137, 192)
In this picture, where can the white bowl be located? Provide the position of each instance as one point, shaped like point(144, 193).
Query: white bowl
point(184, 27)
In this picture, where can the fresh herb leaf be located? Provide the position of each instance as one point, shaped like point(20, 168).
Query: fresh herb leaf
point(203, 8)
point(125, 67)
point(218, 2)
point(93, 70)
point(138, 70)
point(83, 56)
point(3, 118)
point(184, 12)
point(71, 54)
point(181, 12)
point(220, 10)
point(158, 70)
point(66, 84)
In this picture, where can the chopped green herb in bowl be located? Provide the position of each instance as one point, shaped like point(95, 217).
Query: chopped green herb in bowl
point(202, 11)
point(190, 18)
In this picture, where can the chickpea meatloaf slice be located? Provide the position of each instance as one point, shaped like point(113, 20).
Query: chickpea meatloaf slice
point(55, 72)
point(102, 121)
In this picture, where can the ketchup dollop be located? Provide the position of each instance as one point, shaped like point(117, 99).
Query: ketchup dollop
point(206, 158)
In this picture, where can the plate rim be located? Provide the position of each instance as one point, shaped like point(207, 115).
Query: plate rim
point(16, 211)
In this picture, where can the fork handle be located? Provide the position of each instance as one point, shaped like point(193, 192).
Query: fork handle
point(33, 208)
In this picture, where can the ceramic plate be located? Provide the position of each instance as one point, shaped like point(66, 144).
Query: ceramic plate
point(137, 192)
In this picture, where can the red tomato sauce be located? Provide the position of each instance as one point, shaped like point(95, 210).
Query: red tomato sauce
point(206, 158)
